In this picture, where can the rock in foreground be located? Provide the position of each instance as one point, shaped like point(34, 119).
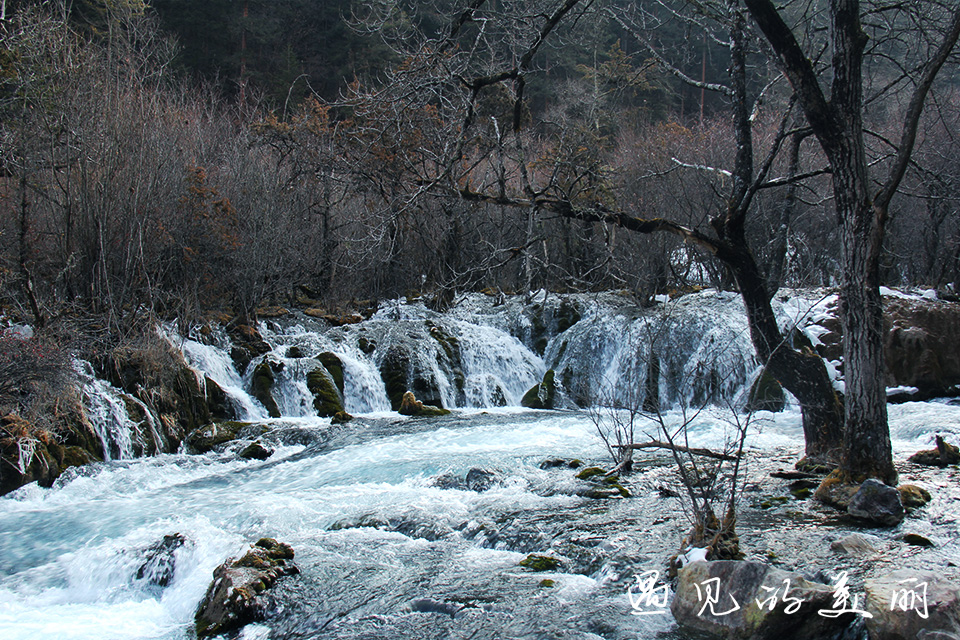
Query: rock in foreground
point(878, 503)
point(912, 604)
point(236, 595)
point(739, 600)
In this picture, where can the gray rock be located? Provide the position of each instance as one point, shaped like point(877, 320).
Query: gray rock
point(761, 610)
point(236, 595)
point(856, 544)
point(877, 502)
point(912, 604)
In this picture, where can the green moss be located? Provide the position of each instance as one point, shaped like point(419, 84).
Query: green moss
point(801, 493)
point(590, 472)
point(538, 563)
point(773, 501)
point(326, 398)
point(548, 583)
point(334, 367)
point(541, 395)
point(262, 387)
point(913, 497)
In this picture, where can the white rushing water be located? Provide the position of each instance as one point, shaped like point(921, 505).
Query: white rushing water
point(393, 537)
point(71, 554)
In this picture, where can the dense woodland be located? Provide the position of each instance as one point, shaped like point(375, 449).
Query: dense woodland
point(187, 156)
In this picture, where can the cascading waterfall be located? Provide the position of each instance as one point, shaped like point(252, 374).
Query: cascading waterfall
point(483, 355)
point(107, 411)
point(214, 362)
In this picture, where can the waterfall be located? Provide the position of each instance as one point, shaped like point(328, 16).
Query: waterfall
point(214, 362)
point(106, 408)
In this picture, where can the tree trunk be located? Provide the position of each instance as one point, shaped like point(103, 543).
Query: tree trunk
point(801, 373)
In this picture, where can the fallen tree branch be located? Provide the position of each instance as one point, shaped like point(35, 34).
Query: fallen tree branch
point(656, 444)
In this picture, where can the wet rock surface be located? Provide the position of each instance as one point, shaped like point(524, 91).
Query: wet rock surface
point(912, 604)
point(755, 601)
point(878, 503)
point(237, 596)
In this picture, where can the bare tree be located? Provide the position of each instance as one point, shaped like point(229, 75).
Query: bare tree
point(837, 120)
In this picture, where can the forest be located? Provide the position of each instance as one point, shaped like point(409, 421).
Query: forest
point(221, 215)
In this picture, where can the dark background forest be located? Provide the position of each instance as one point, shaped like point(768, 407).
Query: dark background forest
point(180, 157)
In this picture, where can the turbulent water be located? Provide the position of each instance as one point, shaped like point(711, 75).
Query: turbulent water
point(403, 527)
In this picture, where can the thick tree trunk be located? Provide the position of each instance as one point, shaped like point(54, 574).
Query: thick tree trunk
point(801, 373)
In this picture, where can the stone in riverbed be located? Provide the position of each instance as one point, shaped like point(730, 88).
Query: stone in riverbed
point(856, 544)
point(410, 406)
point(878, 503)
point(763, 602)
point(256, 451)
point(236, 596)
point(159, 565)
point(912, 604)
point(541, 395)
point(913, 497)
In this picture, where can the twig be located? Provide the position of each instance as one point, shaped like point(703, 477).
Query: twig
point(656, 444)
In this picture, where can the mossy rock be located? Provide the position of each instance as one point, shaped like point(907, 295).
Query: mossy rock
point(590, 472)
point(410, 406)
point(548, 583)
point(216, 433)
point(395, 371)
point(567, 316)
point(913, 497)
point(769, 502)
point(536, 562)
point(334, 366)
point(217, 401)
point(256, 451)
point(295, 352)
point(541, 395)
point(262, 388)
point(341, 417)
point(326, 399)
point(836, 490)
point(945, 454)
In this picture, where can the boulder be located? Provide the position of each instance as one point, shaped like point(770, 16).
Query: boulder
point(878, 503)
point(256, 451)
point(856, 544)
point(737, 600)
point(912, 604)
point(248, 344)
point(262, 387)
point(236, 597)
point(220, 406)
point(334, 366)
point(326, 398)
point(410, 406)
point(541, 395)
point(395, 371)
point(913, 497)
point(159, 565)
